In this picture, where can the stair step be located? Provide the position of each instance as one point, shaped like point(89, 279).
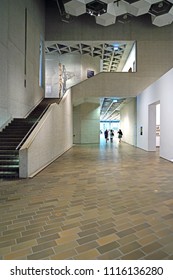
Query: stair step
point(10, 161)
point(16, 129)
point(8, 174)
point(4, 170)
point(11, 135)
point(9, 155)
point(8, 166)
point(9, 143)
point(18, 125)
point(6, 147)
point(9, 152)
point(7, 139)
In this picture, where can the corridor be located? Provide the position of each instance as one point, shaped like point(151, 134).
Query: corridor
point(107, 201)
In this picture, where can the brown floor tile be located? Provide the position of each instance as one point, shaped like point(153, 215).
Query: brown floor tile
point(107, 239)
point(130, 247)
point(64, 255)
point(87, 239)
point(151, 247)
point(65, 246)
point(24, 245)
point(85, 205)
point(48, 238)
point(41, 255)
point(89, 226)
point(108, 247)
point(43, 246)
point(111, 255)
point(87, 247)
point(125, 232)
point(27, 238)
point(87, 232)
point(127, 239)
point(159, 255)
point(89, 255)
point(135, 255)
point(141, 226)
point(148, 239)
point(168, 248)
point(17, 255)
point(107, 232)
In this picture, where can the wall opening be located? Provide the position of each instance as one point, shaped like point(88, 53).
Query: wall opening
point(154, 126)
point(158, 125)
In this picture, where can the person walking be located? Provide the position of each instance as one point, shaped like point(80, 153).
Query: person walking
point(106, 135)
point(120, 135)
point(111, 135)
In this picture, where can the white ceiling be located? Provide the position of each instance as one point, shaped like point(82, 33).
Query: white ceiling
point(107, 12)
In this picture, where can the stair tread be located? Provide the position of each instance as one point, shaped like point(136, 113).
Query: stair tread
point(9, 166)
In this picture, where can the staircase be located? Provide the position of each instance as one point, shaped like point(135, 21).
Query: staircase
point(12, 135)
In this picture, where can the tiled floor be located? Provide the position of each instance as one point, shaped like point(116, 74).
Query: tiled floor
point(112, 201)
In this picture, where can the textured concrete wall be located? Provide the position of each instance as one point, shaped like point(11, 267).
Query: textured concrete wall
point(86, 123)
point(16, 99)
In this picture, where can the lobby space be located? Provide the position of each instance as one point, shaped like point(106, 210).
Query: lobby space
point(95, 202)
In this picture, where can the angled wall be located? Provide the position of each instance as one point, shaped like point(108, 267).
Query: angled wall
point(49, 140)
point(128, 122)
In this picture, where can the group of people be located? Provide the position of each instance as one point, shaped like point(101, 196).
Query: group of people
point(111, 135)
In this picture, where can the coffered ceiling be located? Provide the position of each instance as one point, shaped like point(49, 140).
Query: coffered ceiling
point(112, 54)
point(107, 12)
point(110, 108)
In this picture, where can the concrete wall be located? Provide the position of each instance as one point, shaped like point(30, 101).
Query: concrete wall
point(159, 92)
point(86, 123)
point(89, 63)
point(49, 140)
point(128, 122)
point(16, 99)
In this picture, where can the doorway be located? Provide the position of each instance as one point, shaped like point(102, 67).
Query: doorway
point(154, 126)
point(114, 125)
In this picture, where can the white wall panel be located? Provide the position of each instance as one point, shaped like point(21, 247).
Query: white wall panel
point(160, 91)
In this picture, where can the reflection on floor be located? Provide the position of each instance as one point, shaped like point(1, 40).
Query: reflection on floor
point(108, 201)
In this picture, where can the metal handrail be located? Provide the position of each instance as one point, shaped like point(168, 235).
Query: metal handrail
point(32, 127)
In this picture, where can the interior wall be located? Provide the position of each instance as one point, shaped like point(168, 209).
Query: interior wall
point(17, 19)
point(130, 65)
point(55, 138)
point(86, 123)
point(152, 127)
point(128, 122)
point(76, 66)
point(89, 63)
point(160, 91)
